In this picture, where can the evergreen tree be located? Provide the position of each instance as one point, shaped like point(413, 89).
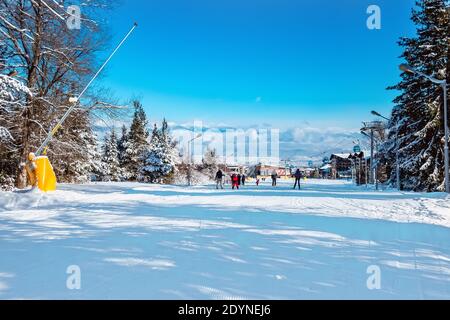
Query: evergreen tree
point(136, 144)
point(121, 148)
point(94, 156)
point(161, 159)
point(110, 159)
point(417, 120)
point(83, 161)
point(171, 154)
point(86, 164)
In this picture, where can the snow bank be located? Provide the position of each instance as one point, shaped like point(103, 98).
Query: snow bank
point(328, 198)
point(135, 241)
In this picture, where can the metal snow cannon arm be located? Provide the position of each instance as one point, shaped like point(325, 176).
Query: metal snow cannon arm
point(43, 172)
point(76, 100)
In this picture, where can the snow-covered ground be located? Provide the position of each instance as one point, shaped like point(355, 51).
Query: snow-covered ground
point(166, 242)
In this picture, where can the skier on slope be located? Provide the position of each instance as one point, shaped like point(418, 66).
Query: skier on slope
point(234, 181)
point(243, 179)
point(219, 179)
point(274, 178)
point(298, 177)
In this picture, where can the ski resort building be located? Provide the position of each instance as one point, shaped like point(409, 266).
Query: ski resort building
point(341, 166)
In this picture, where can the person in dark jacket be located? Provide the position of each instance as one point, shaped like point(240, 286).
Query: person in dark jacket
point(274, 178)
point(239, 177)
point(243, 179)
point(298, 177)
point(219, 179)
point(234, 181)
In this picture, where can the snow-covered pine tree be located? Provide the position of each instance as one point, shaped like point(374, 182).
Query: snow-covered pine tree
point(82, 160)
point(93, 156)
point(121, 144)
point(172, 154)
point(136, 144)
point(111, 170)
point(417, 118)
point(152, 158)
point(161, 159)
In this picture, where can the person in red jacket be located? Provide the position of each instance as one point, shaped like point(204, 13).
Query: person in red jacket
point(235, 181)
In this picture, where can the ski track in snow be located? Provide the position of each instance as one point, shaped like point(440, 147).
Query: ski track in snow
point(150, 241)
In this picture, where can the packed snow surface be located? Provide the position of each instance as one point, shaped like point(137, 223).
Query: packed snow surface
point(138, 241)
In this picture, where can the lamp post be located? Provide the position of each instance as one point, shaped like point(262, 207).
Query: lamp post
point(360, 163)
point(443, 84)
point(190, 157)
point(368, 172)
point(397, 150)
point(373, 176)
point(371, 136)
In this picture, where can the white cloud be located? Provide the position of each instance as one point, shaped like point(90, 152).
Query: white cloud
point(299, 144)
point(157, 264)
point(311, 143)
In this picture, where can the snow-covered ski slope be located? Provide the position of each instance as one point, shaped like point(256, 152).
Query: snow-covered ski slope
point(134, 241)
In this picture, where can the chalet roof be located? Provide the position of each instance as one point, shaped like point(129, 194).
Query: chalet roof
point(341, 155)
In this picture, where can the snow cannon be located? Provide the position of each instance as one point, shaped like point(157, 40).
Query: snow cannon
point(39, 169)
point(41, 173)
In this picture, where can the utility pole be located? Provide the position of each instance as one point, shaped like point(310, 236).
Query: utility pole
point(359, 171)
point(373, 127)
point(372, 160)
point(397, 160)
point(366, 172)
point(376, 171)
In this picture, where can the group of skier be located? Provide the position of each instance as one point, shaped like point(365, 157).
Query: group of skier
point(238, 179)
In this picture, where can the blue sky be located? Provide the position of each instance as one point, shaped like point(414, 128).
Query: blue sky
point(254, 62)
point(310, 68)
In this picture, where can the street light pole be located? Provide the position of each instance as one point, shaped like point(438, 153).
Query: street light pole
point(447, 180)
point(376, 171)
point(443, 84)
point(397, 160)
point(372, 160)
point(397, 150)
point(366, 178)
point(373, 173)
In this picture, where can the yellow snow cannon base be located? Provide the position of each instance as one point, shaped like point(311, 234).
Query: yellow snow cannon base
point(46, 178)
